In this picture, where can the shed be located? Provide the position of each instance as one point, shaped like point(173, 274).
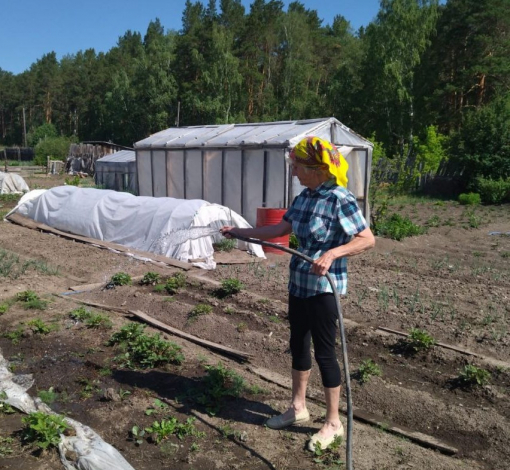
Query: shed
point(117, 171)
point(243, 166)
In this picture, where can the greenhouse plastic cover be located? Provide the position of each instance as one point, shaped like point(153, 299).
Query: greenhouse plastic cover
point(11, 183)
point(155, 225)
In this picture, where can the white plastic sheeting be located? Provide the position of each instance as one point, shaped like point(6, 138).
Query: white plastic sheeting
point(91, 452)
point(142, 223)
point(11, 183)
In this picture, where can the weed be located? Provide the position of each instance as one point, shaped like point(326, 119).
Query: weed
point(88, 387)
point(150, 279)
point(175, 282)
point(473, 220)
point(157, 407)
point(226, 245)
point(242, 327)
point(329, 458)
point(159, 288)
point(119, 279)
point(48, 396)
point(420, 340)
point(228, 310)
point(26, 296)
point(434, 221)
point(383, 298)
point(15, 336)
point(105, 371)
point(472, 375)
point(361, 295)
point(43, 430)
point(505, 254)
point(74, 181)
point(199, 310)
point(4, 307)
point(367, 370)
point(5, 446)
point(274, 319)
point(39, 327)
point(479, 254)
point(5, 408)
point(144, 351)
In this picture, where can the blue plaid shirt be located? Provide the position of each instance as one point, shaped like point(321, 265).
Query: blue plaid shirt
point(321, 219)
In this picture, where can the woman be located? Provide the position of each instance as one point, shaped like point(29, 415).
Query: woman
point(330, 227)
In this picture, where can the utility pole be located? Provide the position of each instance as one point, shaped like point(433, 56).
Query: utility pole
point(24, 128)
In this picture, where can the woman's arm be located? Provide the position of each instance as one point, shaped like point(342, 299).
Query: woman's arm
point(262, 233)
point(361, 242)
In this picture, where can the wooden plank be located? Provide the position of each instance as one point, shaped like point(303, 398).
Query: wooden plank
point(420, 438)
point(167, 328)
point(195, 339)
point(29, 223)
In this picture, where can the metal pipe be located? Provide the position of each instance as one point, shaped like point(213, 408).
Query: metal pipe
point(342, 337)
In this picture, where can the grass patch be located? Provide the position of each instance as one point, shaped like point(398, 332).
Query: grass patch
point(226, 245)
point(397, 227)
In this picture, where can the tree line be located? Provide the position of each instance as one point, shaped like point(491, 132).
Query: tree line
point(427, 82)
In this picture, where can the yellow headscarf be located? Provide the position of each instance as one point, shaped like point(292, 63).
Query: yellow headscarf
point(315, 152)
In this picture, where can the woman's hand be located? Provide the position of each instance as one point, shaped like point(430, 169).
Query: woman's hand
point(322, 264)
point(225, 231)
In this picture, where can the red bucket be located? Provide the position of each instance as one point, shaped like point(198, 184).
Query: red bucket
point(267, 216)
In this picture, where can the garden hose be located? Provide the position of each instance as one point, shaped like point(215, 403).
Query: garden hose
point(342, 337)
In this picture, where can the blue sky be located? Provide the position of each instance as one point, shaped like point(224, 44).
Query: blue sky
point(31, 28)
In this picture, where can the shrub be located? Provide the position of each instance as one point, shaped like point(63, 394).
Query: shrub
point(43, 430)
point(55, 147)
point(472, 375)
point(397, 227)
point(420, 340)
point(493, 191)
point(469, 199)
point(368, 369)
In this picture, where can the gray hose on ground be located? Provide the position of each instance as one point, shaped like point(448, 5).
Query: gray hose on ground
point(342, 337)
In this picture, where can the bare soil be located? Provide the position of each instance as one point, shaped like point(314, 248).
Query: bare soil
point(452, 282)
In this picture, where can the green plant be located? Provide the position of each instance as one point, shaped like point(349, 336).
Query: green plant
point(368, 369)
point(167, 427)
point(159, 288)
point(175, 282)
point(120, 279)
point(470, 199)
point(241, 327)
point(5, 407)
point(4, 307)
point(219, 383)
point(471, 375)
point(198, 310)
point(31, 300)
point(225, 245)
point(39, 327)
point(434, 221)
point(80, 314)
point(493, 191)
point(150, 279)
point(293, 241)
point(231, 286)
point(48, 396)
point(43, 429)
point(73, 181)
point(98, 321)
point(144, 351)
point(420, 340)
point(137, 434)
point(5, 446)
point(505, 254)
point(16, 335)
point(397, 227)
point(26, 296)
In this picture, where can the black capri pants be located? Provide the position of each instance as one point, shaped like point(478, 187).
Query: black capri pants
point(315, 318)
